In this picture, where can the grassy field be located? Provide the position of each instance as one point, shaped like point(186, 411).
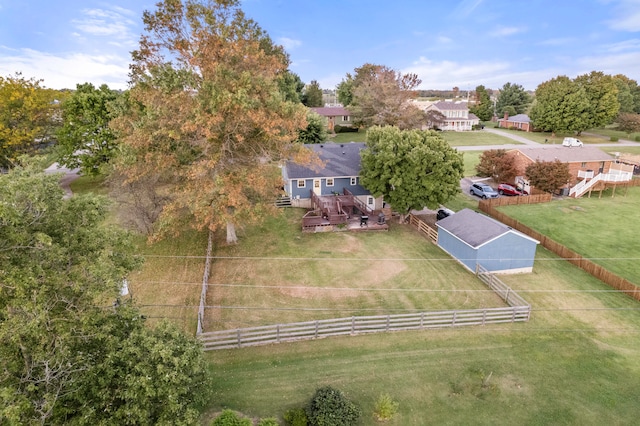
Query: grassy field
point(278, 274)
point(576, 362)
point(475, 138)
point(599, 228)
point(610, 131)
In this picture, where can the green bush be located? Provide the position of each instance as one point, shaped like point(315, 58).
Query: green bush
point(385, 408)
point(637, 138)
point(345, 129)
point(614, 139)
point(330, 407)
point(231, 418)
point(296, 417)
point(268, 422)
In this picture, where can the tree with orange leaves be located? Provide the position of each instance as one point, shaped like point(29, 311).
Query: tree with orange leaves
point(207, 123)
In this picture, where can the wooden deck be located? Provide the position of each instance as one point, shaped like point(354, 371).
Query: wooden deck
point(340, 213)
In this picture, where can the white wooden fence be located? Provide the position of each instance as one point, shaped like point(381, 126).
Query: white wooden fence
point(505, 292)
point(360, 325)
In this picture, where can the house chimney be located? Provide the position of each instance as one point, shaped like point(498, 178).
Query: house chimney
point(506, 115)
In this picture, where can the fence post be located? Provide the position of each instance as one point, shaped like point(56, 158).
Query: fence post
point(239, 338)
point(353, 325)
point(388, 321)
point(278, 333)
point(316, 329)
point(453, 320)
point(506, 298)
point(422, 320)
point(484, 316)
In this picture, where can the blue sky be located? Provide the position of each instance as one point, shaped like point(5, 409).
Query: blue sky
point(450, 43)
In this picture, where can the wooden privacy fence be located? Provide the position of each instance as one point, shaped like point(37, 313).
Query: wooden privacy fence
point(267, 334)
point(599, 272)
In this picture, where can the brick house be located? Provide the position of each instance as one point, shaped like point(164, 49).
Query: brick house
point(587, 166)
point(519, 121)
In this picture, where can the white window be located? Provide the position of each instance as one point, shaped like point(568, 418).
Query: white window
point(345, 118)
point(370, 201)
point(354, 181)
point(329, 181)
point(301, 183)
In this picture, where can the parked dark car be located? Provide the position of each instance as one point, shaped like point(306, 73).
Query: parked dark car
point(483, 190)
point(506, 189)
point(442, 213)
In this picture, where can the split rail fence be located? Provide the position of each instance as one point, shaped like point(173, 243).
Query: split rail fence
point(278, 333)
point(519, 310)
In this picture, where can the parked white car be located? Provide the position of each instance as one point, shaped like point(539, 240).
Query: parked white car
point(571, 142)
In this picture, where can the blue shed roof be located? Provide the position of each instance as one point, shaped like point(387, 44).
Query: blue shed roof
point(476, 229)
point(340, 160)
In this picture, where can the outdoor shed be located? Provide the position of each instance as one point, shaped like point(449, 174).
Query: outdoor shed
point(473, 238)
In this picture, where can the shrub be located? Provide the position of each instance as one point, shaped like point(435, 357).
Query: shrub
point(614, 139)
point(385, 408)
point(296, 417)
point(345, 129)
point(231, 418)
point(330, 407)
point(637, 138)
point(268, 422)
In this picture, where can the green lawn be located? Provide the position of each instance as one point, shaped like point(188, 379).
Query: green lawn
point(476, 138)
point(278, 274)
point(573, 363)
point(610, 131)
point(598, 228)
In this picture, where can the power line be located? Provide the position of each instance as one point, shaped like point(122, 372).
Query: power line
point(383, 289)
point(373, 259)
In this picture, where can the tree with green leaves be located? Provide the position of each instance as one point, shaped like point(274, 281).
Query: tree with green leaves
point(291, 86)
point(602, 96)
point(560, 105)
point(412, 169)
point(548, 176)
point(316, 130)
point(312, 95)
point(85, 139)
point(512, 95)
point(70, 353)
point(381, 96)
point(344, 91)
point(498, 164)
point(483, 106)
point(27, 116)
point(208, 123)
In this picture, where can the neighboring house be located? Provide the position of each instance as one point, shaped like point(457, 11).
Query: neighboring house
point(335, 115)
point(341, 171)
point(519, 121)
point(473, 238)
point(457, 115)
point(587, 166)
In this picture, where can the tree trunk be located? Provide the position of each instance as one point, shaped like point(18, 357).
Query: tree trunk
point(232, 238)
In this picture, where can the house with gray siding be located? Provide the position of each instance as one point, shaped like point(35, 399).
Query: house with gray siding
point(340, 171)
point(473, 238)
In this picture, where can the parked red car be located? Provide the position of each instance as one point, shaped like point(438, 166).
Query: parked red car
point(506, 189)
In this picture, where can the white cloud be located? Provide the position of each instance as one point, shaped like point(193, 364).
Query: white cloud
point(446, 74)
point(105, 23)
point(289, 43)
point(625, 45)
point(66, 70)
point(627, 16)
point(506, 31)
point(557, 41)
point(466, 8)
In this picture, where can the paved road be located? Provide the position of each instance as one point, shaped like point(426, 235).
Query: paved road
point(68, 176)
